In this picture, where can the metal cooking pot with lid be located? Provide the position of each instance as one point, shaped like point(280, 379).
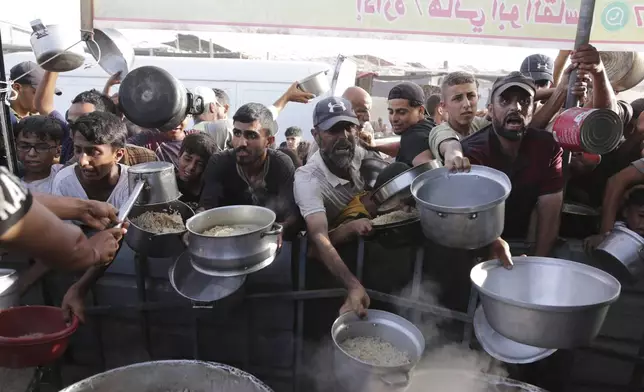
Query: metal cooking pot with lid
point(157, 244)
point(160, 182)
point(356, 375)
point(175, 375)
point(59, 41)
point(236, 254)
point(9, 294)
point(622, 254)
point(151, 97)
point(462, 210)
point(545, 302)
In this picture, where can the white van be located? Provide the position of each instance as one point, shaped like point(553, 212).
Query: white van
point(243, 80)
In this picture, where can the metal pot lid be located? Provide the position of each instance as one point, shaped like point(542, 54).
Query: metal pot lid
point(150, 167)
point(390, 194)
point(194, 285)
point(239, 272)
point(502, 348)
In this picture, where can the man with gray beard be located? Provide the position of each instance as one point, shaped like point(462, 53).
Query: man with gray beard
point(328, 184)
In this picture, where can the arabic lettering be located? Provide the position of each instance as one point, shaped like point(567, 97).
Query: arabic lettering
point(511, 16)
point(476, 17)
point(638, 10)
point(391, 10)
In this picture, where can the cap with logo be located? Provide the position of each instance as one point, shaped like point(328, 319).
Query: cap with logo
point(34, 74)
point(514, 79)
point(538, 67)
point(409, 91)
point(331, 111)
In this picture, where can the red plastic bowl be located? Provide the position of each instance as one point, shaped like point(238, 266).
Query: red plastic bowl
point(18, 350)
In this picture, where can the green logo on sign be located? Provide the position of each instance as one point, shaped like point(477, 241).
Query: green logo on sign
point(615, 16)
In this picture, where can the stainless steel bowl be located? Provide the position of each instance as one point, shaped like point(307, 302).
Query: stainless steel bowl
point(389, 195)
point(622, 254)
point(316, 84)
point(153, 244)
point(462, 210)
point(160, 182)
point(117, 54)
point(356, 375)
point(9, 294)
point(233, 253)
point(178, 375)
point(502, 348)
point(198, 287)
point(545, 302)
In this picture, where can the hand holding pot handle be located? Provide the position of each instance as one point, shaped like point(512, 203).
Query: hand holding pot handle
point(277, 230)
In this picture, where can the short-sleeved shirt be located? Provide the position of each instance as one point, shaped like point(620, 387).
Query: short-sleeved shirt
point(223, 185)
point(45, 185)
point(15, 202)
point(414, 141)
point(316, 189)
point(536, 171)
point(444, 132)
point(66, 183)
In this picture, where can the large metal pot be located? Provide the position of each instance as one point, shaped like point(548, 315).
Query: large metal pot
point(9, 293)
point(625, 70)
point(622, 254)
point(462, 210)
point(177, 375)
point(356, 375)
point(545, 302)
point(237, 254)
point(56, 41)
point(316, 84)
point(116, 52)
point(152, 98)
point(160, 182)
point(445, 379)
point(153, 244)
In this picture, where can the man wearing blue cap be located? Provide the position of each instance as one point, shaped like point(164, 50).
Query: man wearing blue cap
point(329, 185)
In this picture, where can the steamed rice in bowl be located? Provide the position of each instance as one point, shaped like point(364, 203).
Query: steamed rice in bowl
point(160, 222)
point(230, 230)
point(395, 217)
point(375, 351)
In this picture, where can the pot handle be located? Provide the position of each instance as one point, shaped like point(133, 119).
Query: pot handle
point(276, 231)
point(39, 28)
point(395, 383)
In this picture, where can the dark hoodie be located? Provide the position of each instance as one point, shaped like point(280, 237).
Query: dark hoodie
point(414, 141)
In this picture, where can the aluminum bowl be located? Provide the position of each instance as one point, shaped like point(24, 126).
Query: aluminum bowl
point(356, 375)
point(545, 302)
point(233, 253)
point(174, 375)
point(622, 254)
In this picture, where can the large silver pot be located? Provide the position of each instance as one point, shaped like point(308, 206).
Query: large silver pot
point(9, 293)
point(446, 379)
point(237, 254)
point(545, 302)
point(178, 375)
point(622, 254)
point(116, 52)
point(160, 182)
point(153, 244)
point(356, 375)
point(462, 210)
point(56, 41)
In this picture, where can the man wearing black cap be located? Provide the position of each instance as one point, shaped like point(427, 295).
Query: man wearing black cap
point(25, 77)
point(325, 186)
point(540, 68)
point(293, 137)
point(531, 158)
point(408, 119)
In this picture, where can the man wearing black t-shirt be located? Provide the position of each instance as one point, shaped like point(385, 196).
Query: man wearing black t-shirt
point(407, 117)
point(251, 173)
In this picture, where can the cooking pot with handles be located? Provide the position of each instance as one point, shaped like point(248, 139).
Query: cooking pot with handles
point(55, 47)
point(151, 97)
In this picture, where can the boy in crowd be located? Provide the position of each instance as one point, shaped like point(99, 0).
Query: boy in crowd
point(194, 155)
point(99, 146)
point(38, 142)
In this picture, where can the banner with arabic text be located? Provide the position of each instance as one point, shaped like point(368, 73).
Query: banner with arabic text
point(618, 25)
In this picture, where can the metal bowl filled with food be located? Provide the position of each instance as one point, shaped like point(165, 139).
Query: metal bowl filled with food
point(376, 353)
point(231, 240)
point(156, 230)
point(397, 228)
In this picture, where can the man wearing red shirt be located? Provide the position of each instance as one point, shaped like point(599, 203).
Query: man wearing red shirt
point(531, 158)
